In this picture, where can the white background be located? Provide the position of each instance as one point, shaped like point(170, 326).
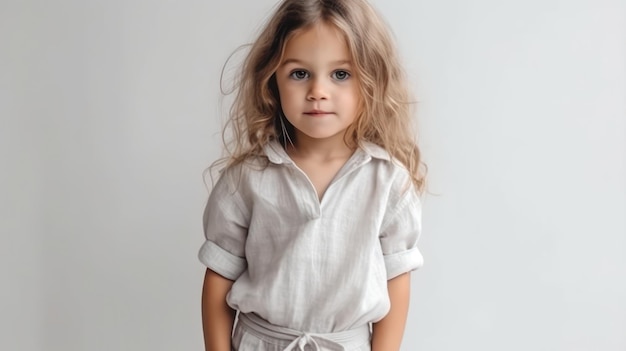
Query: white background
point(110, 114)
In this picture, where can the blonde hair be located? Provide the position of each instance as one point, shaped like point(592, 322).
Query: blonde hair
point(385, 113)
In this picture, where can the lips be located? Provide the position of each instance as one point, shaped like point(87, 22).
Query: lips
point(317, 113)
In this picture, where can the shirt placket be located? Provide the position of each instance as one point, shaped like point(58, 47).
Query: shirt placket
point(306, 195)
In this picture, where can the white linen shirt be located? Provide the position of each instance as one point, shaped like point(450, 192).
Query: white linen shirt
point(310, 265)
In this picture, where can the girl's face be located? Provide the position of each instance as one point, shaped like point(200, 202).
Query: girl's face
point(318, 92)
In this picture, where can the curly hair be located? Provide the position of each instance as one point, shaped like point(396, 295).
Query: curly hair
point(385, 115)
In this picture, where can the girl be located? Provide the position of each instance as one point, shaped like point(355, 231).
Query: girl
point(311, 228)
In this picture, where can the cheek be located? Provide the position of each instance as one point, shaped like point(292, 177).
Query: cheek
point(286, 99)
point(292, 94)
point(283, 93)
point(354, 100)
point(288, 102)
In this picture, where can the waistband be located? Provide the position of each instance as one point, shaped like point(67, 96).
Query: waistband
point(338, 341)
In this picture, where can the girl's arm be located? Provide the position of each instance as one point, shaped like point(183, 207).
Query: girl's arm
point(217, 316)
point(387, 333)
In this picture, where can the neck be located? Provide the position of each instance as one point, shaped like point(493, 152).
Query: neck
point(326, 149)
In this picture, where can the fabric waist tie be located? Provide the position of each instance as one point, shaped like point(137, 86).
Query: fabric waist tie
point(315, 341)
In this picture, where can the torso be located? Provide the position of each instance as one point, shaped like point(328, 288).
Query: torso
point(312, 265)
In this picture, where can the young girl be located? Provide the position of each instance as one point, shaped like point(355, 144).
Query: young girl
point(311, 228)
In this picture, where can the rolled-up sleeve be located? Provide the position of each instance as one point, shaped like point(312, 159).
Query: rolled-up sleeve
point(400, 232)
point(225, 228)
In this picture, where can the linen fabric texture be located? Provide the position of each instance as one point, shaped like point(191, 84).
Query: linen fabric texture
point(253, 333)
point(312, 265)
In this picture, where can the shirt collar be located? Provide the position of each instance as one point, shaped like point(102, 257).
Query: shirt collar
point(277, 154)
point(375, 151)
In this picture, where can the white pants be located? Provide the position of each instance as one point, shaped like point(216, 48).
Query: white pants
point(253, 333)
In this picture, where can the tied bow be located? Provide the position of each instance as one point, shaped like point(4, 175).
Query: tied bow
point(305, 339)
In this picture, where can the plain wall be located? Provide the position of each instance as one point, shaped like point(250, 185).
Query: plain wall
point(110, 113)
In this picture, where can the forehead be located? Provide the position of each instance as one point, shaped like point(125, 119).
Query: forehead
point(321, 40)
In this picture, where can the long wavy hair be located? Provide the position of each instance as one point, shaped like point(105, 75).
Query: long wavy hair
point(385, 113)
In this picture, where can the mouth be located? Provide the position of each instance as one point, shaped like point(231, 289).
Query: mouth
point(317, 113)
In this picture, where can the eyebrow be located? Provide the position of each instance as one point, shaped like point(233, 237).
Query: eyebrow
point(296, 61)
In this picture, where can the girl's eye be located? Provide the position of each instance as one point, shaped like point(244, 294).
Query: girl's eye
point(299, 75)
point(341, 75)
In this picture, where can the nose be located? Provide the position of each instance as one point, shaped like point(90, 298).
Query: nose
point(317, 90)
